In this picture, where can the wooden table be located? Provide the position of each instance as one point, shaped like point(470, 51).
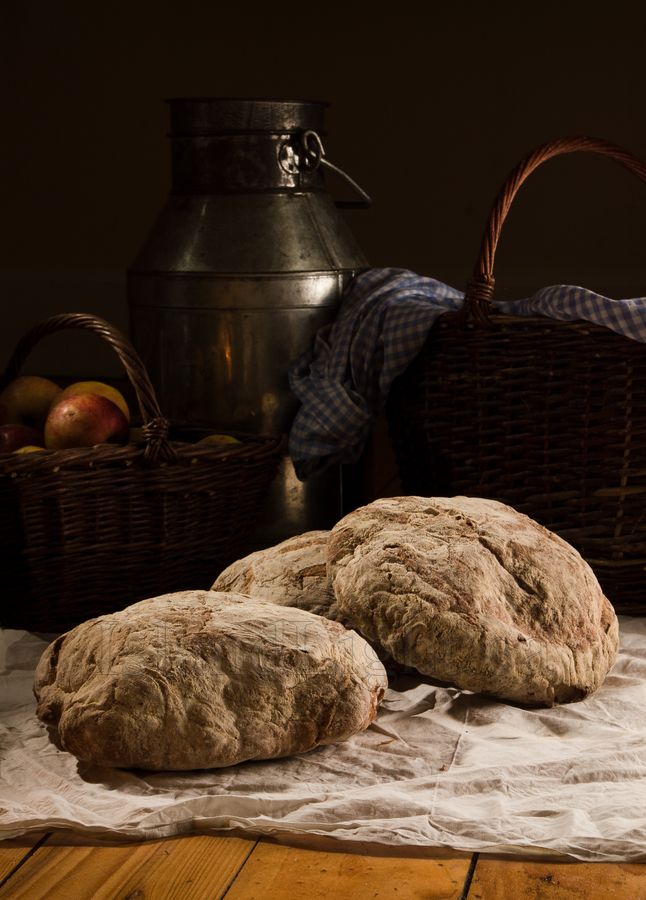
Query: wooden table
point(60, 866)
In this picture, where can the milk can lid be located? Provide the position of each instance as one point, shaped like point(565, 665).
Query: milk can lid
point(196, 116)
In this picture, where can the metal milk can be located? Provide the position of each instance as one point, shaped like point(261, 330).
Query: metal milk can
point(246, 261)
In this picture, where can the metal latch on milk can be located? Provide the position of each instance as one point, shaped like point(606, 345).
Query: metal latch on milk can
point(307, 152)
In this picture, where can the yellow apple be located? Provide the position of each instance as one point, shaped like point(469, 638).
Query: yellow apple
point(100, 389)
point(219, 439)
point(29, 448)
point(27, 400)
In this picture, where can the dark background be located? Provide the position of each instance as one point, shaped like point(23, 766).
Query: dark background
point(428, 112)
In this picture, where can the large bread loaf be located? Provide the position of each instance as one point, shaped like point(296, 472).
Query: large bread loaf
point(471, 592)
point(200, 679)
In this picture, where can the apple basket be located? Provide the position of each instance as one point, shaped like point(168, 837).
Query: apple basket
point(89, 530)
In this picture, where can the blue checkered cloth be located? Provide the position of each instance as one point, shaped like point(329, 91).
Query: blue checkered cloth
point(385, 316)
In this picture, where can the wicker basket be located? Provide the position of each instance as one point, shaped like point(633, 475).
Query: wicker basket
point(547, 416)
point(87, 531)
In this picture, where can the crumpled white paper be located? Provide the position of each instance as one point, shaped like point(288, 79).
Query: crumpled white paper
point(439, 768)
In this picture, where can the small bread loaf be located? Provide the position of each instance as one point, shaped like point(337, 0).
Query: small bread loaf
point(471, 592)
point(293, 573)
point(200, 679)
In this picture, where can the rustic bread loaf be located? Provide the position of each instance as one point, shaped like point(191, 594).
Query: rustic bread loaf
point(293, 573)
point(200, 679)
point(471, 592)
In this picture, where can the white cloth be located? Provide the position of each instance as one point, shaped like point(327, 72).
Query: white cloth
point(439, 768)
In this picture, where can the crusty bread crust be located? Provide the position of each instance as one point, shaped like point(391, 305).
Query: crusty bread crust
point(292, 573)
point(471, 592)
point(199, 679)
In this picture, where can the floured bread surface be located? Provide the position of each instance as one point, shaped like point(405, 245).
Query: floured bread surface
point(201, 679)
point(471, 592)
point(293, 573)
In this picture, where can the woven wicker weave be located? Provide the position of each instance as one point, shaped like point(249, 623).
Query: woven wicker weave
point(547, 416)
point(87, 531)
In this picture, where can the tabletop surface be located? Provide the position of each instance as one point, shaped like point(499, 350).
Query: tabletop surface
point(56, 865)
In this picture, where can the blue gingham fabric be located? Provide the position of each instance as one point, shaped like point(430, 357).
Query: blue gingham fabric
point(343, 379)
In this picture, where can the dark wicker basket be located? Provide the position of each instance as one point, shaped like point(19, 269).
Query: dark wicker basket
point(547, 416)
point(87, 531)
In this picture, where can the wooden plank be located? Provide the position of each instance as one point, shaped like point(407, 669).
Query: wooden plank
point(13, 851)
point(199, 867)
point(275, 872)
point(504, 879)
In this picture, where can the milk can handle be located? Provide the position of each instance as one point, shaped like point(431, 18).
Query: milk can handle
point(314, 154)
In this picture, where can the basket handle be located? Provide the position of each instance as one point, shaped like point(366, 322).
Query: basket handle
point(155, 426)
point(479, 290)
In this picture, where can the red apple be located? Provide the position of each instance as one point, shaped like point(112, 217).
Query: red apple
point(27, 400)
point(13, 437)
point(98, 387)
point(84, 420)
